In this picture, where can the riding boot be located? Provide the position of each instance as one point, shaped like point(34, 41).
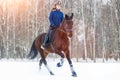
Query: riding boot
point(45, 41)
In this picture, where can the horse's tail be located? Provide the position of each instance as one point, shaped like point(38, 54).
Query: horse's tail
point(33, 52)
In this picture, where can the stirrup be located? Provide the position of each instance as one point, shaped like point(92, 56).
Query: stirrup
point(42, 47)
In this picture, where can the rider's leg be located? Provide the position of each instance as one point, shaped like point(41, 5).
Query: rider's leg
point(46, 38)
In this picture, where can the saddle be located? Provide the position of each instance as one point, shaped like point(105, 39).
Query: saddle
point(50, 37)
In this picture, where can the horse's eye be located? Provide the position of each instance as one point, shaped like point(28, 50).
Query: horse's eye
point(70, 22)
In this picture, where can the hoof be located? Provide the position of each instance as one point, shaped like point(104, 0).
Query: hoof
point(59, 65)
point(74, 74)
point(52, 73)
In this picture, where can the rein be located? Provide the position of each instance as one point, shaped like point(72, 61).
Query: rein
point(62, 30)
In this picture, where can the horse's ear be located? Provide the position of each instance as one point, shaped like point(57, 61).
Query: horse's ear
point(71, 16)
point(66, 16)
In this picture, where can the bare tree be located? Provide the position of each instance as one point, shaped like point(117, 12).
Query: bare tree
point(94, 52)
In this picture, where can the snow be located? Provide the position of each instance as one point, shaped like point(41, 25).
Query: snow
point(29, 70)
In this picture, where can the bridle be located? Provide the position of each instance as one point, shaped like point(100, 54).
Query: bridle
point(66, 30)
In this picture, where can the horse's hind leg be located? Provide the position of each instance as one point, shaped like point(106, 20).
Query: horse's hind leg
point(70, 63)
point(48, 68)
point(43, 56)
point(59, 64)
point(40, 63)
point(46, 65)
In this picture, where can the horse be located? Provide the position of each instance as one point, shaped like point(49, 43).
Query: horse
point(60, 45)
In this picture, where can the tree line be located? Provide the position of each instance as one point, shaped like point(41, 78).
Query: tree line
point(96, 31)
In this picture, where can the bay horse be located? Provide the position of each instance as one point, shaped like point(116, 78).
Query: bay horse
point(60, 44)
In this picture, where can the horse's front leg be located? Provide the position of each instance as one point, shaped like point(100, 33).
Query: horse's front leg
point(59, 64)
point(70, 63)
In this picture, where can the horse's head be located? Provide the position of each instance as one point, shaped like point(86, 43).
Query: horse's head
point(68, 24)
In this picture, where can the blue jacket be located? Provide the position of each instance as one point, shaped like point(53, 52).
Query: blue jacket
point(55, 18)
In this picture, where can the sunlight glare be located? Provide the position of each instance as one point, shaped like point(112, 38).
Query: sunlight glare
point(14, 5)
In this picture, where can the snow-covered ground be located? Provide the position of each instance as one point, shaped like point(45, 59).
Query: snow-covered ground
point(29, 70)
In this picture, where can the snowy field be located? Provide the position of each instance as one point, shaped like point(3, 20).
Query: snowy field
point(29, 70)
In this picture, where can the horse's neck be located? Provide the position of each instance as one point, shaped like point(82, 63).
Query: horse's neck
point(61, 30)
point(62, 26)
